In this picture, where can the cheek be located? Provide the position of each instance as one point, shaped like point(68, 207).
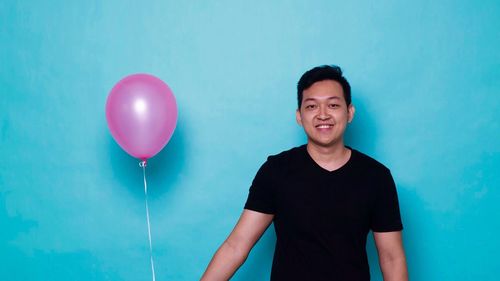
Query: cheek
point(303, 117)
point(342, 117)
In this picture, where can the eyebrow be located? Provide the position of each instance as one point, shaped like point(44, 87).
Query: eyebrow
point(330, 98)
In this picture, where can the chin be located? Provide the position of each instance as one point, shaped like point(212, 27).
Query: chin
point(325, 143)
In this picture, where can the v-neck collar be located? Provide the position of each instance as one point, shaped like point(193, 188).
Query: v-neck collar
point(317, 167)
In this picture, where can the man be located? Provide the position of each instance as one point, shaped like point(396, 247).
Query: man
point(323, 198)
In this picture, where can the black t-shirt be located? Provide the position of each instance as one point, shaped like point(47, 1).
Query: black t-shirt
point(322, 218)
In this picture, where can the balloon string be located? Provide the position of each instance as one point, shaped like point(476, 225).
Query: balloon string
point(143, 166)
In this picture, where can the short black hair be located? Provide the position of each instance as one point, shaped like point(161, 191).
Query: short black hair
point(321, 73)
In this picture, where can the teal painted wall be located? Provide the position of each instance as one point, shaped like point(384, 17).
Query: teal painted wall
point(426, 83)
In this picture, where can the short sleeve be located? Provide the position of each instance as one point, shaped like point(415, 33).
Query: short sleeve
point(386, 216)
point(261, 193)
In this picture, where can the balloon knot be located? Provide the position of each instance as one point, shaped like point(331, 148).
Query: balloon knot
point(143, 164)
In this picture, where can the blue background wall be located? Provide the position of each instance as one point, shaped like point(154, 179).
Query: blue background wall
point(426, 82)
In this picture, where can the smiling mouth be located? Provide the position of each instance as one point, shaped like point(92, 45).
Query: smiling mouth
point(324, 126)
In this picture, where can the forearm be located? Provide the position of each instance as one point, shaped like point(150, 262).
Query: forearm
point(234, 251)
point(394, 269)
point(224, 263)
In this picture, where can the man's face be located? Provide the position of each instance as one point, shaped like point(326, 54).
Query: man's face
point(324, 113)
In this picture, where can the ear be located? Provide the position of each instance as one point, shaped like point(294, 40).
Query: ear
point(298, 118)
point(350, 111)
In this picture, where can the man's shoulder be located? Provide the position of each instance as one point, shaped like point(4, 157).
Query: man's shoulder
point(280, 164)
point(367, 162)
point(286, 160)
point(286, 156)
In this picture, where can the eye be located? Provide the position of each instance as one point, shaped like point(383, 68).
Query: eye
point(334, 105)
point(310, 106)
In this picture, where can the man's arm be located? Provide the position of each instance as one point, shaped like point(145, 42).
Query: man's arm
point(391, 255)
point(234, 251)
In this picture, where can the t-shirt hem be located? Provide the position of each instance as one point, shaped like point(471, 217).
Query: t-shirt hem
point(257, 209)
point(398, 228)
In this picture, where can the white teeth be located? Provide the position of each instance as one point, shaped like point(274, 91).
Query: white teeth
point(324, 126)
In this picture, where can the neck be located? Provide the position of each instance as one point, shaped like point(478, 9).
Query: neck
point(329, 157)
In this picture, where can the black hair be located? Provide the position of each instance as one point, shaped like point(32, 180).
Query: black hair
point(321, 73)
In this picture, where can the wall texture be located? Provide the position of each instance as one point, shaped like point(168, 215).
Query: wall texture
point(426, 83)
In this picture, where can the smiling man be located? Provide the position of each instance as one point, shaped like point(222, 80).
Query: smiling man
point(323, 198)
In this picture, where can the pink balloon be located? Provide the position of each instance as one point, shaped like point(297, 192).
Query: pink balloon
point(142, 113)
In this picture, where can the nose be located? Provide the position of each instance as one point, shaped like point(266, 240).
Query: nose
point(323, 113)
